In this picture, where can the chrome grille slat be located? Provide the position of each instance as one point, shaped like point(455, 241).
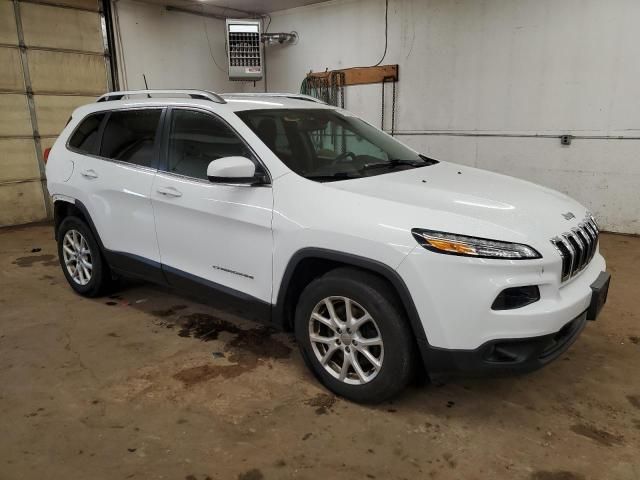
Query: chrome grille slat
point(584, 243)
point(592, 238)
point(566, 257)
point(590, 232)
point(577, 247)
point(573, 253)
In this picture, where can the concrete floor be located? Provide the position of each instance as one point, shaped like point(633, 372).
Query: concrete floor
point(122, 387)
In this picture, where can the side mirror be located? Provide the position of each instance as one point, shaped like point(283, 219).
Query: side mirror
point(233, 170)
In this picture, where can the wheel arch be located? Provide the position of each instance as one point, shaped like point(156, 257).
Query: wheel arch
point(63, 208)
point(310, 263)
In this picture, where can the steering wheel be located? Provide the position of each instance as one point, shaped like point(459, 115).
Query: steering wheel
point(343, 156)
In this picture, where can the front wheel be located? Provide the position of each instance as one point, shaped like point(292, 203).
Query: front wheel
point(354, 337)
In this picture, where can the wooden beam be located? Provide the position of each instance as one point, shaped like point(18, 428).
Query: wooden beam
point(362, 75)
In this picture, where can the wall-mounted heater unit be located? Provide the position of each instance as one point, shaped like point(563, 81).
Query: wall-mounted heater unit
point(245, 50)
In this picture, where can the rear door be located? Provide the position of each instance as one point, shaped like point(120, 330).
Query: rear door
point(210, 234)
point(114, 179)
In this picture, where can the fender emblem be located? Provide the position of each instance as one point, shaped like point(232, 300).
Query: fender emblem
point(568, 215)
point(228, 270)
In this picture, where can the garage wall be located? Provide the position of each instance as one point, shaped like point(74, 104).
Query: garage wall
point(485, 82)
point(61, 65)
point(173, 49)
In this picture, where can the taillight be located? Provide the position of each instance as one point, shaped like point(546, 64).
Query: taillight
point(46, 154)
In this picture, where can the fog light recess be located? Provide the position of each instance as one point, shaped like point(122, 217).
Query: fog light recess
point(516, 297)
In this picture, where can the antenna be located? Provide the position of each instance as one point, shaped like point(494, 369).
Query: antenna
point(146, 85)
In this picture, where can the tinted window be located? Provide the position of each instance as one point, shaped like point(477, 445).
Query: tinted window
point(328, 145)
point(196, 139)
point(85, 138)
point(129, 136)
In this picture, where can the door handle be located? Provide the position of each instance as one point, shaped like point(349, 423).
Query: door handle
point(89, 173)
point(169, 191)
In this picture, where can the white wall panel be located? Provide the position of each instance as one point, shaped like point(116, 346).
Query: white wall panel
point(173, 50)
point(498, 67)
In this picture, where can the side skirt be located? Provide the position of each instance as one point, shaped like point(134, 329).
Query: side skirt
point(218, 295)
point(135, 266)
point(211, 293)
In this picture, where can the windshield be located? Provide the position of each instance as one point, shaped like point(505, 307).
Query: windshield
point(328, 145)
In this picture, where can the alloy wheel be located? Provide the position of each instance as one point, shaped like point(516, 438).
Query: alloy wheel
point(77, 257)
point(346, 340)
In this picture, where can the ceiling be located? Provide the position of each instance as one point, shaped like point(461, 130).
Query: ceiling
point(231, 8)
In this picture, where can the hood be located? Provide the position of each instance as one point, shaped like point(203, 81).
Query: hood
point(471, 201)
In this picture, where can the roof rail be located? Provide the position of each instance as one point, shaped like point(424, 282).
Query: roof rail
point(195, 94)
point(298, 96)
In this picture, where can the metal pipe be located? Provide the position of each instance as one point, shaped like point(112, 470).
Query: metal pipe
point(280, 37)
point(47, 92)
point(62, 5)
point(512, 135)
point(171, 8)
point(51, 49)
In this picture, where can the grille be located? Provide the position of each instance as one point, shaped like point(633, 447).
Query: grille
point(577, 247)
point(244, 49)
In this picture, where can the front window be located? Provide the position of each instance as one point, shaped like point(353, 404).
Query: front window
point(196, 139)
point(328, 145)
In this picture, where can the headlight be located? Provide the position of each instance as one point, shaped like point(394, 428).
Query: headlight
point(453, 244)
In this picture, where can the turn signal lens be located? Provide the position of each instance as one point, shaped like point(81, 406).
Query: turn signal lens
point(45, 154)
point(452, 247)
point(454, 244)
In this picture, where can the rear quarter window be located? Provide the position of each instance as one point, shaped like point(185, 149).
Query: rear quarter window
point(85, 137)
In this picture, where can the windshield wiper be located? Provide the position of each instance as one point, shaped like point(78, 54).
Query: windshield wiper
point(428, 160)
point(393, 164)
point(334, 177)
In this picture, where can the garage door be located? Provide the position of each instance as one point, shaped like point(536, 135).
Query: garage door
point(53, 59)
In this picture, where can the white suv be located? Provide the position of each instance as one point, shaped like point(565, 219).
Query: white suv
point(380, 259)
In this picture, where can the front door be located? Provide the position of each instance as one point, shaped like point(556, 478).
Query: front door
point(212, 235)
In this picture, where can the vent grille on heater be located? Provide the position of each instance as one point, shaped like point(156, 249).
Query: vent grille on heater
point(244, 49)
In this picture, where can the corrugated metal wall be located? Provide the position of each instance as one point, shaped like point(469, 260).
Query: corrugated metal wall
point(53, 58)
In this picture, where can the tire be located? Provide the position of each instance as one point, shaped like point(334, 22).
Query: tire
point(367, 294)
point(99, 279)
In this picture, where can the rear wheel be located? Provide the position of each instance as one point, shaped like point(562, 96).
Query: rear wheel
point(353, 336)
point(81, 259)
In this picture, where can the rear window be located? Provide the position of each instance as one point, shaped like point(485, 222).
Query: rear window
point(85, 138)
point(129, 136)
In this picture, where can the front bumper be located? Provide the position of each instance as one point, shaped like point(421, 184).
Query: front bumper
point(504, 356)
point(454, 295)
point(462, 333)
point(516, 355)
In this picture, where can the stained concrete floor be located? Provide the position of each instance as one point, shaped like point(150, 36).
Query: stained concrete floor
point(147, 384)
